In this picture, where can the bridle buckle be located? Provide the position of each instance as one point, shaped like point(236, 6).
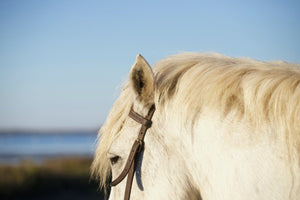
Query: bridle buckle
point(140, 145)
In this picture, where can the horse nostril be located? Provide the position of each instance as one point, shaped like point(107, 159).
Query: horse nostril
point(114, 159)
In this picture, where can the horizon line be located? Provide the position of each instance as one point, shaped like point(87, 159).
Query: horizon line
point(47, 130)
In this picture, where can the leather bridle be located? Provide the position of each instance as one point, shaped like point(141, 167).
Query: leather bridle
point(136, 149)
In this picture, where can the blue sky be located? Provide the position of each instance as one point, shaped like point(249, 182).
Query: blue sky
point(61, 62)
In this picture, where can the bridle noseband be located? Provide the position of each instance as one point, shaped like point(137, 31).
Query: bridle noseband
point(136, 148)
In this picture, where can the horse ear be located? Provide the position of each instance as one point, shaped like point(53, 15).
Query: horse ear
point(142, 79)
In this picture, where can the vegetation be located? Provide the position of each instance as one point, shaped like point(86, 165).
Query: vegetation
point(63, 178)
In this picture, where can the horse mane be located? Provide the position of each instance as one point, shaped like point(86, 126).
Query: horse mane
point(263, 93)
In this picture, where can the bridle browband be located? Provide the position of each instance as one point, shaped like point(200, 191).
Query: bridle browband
point(136, 148)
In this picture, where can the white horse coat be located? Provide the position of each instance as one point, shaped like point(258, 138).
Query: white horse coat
point(224, 128)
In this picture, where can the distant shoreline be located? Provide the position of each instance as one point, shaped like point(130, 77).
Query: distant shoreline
point(46, 132)
point(16, 159)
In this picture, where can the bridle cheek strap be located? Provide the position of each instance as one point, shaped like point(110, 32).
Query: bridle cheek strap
point(136, 148)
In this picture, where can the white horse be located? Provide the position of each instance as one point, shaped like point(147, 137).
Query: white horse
point(224, 128)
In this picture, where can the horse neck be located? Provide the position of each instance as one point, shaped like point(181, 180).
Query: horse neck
point(221, 153)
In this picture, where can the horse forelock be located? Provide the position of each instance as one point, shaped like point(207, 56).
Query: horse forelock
point(108, 132)
point(262, 92)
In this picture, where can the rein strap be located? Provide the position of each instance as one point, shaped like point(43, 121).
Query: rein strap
point(136, 148)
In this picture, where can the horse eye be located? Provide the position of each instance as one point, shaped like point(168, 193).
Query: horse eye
point(114, 159)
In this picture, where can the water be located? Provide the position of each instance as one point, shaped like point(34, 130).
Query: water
point(38, 146)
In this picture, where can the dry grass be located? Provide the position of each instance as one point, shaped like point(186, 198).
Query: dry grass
point(64, 178)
